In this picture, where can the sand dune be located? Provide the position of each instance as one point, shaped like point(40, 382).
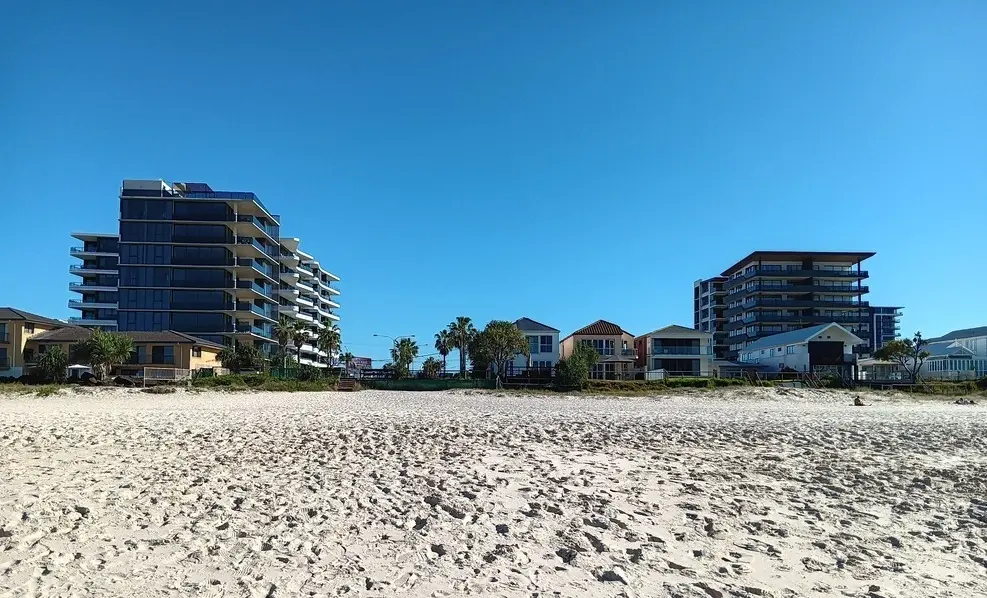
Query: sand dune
point(452, 494)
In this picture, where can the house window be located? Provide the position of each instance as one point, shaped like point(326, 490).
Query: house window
point(602, 346)
point(164, 355)
point(546, 344)
point(196, 351)
point(790, 349)
point(29, 328)
point(532, 344)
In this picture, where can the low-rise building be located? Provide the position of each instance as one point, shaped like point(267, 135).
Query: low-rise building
point(543, 345)
point(17, 328)
point(676, 350)
point(823, 349)
point(614, 344)
point(958, 355)
point(161, 350)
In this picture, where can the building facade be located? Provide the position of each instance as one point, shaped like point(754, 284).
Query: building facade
point(709, 308)
point(17, 328)
point(98, 280)
point(823, 349)
point(885, 325)
point(676, 350)
point(201, 262)
point(543, 345)
point(614, 345)
point(771, 292)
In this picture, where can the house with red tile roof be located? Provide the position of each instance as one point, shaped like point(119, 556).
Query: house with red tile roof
point(614, 344)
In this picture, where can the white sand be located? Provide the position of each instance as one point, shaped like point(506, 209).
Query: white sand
point(453, 494)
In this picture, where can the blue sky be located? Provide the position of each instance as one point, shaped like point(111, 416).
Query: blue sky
point(561, 160)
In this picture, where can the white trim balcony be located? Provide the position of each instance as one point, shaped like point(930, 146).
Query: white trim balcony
point(91, 322)
point(82, 252)
point(82, 269)
point(73, 304)
point(82, 288)
point(332, 290)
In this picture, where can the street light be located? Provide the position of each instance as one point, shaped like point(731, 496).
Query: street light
point(397, 338)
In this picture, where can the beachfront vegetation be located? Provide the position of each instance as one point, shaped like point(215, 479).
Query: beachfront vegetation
point(241, 357)
point(573, 371)
point(103, 350)
point(497, 344)
point(403, 353)
point(265, 382)
point(443, 344)
point(431, 368)
point(909, 353)
point(283, 331)
point(329, 340)
point(461, 333)
point(52, 364)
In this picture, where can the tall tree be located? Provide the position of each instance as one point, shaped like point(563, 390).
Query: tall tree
point(329, 340)
point(431, 368)
point(284, 330)
point(461, 332)
point(443, 345)
point(241, 357)
point(103, 350)
point(299, 336)
point(909, 353)
point(499, 343)
point(403, 353)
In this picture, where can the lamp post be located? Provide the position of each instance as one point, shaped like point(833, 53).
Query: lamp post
point(395, 339)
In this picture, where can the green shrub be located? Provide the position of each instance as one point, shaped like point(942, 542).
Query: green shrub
point(266, 382)
point(159, 390)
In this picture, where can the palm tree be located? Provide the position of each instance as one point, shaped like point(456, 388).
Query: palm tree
point(299, 336)
point(284, 330)
point(461, 332)
point(442, 345)
point(346, 358)
point(329, 340)
point(103, 350)
point(403, 353)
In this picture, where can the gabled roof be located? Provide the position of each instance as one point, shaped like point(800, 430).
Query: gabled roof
point(600, 328)
point(961, 333)
point(10, 313)
point(532, 326)
point(947, 349)
point(75, 334)
point(674, 329)
point(793, 337)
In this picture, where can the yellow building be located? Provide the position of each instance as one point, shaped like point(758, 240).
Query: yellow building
point(166, 350)
point(17, 327)
point(614, 344)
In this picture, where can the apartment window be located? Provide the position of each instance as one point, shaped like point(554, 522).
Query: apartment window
point(200, 322)
point(547, 346)
point(28, 328)
point(790, 350)
point(3, 333)
point(145, 320)
point(532, 344)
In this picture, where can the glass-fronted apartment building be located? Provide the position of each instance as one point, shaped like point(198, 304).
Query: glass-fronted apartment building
point(770, 292)
point(206, 263)
point(885, 325)
point(97, 280)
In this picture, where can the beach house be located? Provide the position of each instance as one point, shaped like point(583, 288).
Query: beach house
point(614, 345)
point(826, 349)
point(675, 351)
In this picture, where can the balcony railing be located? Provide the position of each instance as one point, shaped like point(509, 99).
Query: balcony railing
point(262, 268)
point(258, 330)
point(794, 272)
point(251, 285)
point(272, 231)
point(78, 267)
point(665, 350)
point(269, 252)
point(93, 285)
point(253, 308)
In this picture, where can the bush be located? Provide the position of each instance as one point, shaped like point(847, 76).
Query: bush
point(52, 364)
point(266, 382)
point(159, 390)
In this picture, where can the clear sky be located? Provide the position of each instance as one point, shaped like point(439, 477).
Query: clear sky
point(562, 160)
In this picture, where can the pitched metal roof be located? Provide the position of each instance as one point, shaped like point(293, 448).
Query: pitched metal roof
point(794, 337)
point(946, 348)
point(75, 334)
point(961, 333)
point(675, 328)
point(600, 328)
point(533, 326)
point(10, 313)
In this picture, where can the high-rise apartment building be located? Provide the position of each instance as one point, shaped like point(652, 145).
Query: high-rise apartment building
point(98, 278)
point(769, 292)
point(708, 307)
point(885, 326)
point(206, 263)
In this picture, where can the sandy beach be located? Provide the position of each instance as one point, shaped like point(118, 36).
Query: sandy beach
point(746, 493)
